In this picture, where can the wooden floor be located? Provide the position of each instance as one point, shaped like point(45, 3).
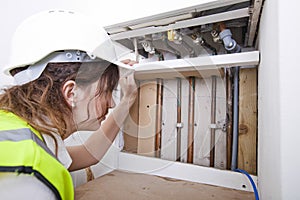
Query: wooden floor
point(122, 185)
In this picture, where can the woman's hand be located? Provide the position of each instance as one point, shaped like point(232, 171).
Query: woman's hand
point(128, 85)
point(128, 88)
point(129, 62)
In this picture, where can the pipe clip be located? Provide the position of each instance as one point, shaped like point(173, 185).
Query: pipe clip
point(219, 125)
point(179, 125)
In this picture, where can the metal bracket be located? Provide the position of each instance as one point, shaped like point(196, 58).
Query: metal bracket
point(219, 125)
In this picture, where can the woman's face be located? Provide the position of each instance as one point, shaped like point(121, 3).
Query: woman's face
point(89, 111)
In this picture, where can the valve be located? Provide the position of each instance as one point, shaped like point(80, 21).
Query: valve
point(229, 43)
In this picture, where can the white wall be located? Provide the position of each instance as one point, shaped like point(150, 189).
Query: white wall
point(269, 165)
point(13, 12)
point(289, 71)
point(279, 97)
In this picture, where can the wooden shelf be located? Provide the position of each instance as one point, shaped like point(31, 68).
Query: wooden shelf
point(123, 185)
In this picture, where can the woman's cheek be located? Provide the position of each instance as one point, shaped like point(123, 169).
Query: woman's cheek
point(100, 105)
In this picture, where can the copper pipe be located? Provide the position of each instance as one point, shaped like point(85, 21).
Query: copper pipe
point(89, 174)
point(178, 149)
point(191, 120)
point(158, 124)
point(213, 120)
point(229, 116)
point(222, 26)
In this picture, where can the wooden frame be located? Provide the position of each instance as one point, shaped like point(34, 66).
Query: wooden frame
point(210, 4)
point(236, 14)
point(204, 67)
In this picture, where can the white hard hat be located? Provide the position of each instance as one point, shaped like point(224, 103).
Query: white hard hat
point(39, 36)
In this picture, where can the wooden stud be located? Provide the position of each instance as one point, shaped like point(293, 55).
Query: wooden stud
point(254, 21)
point(247, 151)
point(130, 128)
point(147, 118)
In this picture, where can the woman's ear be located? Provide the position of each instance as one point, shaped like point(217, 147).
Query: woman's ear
point(68, 91)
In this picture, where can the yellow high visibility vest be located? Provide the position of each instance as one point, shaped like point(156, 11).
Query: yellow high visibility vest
point(24, 151)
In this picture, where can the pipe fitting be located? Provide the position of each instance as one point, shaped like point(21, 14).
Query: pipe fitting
point(229, 43)
point(175, 36)
point(215, 36)
point(197, 39)
point(148, 47)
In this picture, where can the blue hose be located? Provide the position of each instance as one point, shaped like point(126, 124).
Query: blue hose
point(251, 180)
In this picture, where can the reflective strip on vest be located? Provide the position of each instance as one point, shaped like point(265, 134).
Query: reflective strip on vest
point(23, 134)
point(26, 153)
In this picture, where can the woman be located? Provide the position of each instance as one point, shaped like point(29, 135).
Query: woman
point(64, 78)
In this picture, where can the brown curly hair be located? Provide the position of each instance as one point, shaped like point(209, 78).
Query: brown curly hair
point(41, 102)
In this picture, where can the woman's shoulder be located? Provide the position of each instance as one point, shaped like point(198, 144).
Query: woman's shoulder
point(62, 152)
